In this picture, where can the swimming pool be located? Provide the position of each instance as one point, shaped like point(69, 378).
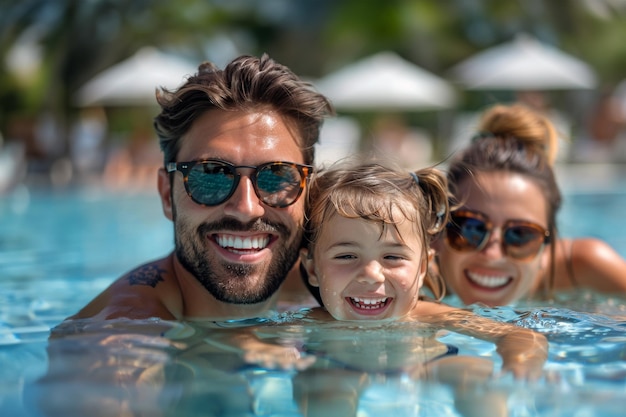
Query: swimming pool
point(59, 249)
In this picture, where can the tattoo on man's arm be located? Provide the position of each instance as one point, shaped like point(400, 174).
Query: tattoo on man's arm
point(146, 275)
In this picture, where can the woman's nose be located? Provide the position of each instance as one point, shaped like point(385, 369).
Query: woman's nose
point(493, 248)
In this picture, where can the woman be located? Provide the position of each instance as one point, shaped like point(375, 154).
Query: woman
point(501, 244)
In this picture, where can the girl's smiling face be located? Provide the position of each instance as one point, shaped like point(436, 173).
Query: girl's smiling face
point(366, 270)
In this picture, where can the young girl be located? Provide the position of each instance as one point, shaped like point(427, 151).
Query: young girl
point(501, 245)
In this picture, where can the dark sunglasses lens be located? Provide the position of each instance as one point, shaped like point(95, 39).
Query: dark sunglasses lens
point(278, 185)
point(466, 233)
point(523, 241)
point(211, 183)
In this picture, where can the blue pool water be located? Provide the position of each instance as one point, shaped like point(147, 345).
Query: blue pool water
point(59, 249)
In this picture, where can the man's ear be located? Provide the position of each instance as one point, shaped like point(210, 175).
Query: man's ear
point(165, 192)
point(309, 266)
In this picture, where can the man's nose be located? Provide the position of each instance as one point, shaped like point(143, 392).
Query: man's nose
point(244, 204)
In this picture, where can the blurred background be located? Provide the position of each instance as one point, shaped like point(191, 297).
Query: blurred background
point(408, 78)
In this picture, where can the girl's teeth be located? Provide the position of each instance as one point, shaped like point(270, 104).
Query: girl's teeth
point(369, 303)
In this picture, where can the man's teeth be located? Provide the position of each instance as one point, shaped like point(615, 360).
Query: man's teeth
point(243, 243)
point(488, 281)
point(369, 303)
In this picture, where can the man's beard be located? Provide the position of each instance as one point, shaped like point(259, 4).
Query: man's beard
point(229, 282)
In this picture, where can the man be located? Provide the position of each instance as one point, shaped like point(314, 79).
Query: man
point(238, 149)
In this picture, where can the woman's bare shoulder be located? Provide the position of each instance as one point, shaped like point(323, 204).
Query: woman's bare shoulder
point(597, 265)
point(591, 263)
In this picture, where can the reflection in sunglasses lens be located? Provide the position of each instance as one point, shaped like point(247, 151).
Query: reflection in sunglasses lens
point(210, 185)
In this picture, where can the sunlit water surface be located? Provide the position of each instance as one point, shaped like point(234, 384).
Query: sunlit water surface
point(58, 250)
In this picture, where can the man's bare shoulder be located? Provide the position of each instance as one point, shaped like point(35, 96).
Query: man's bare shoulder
point(150, 290)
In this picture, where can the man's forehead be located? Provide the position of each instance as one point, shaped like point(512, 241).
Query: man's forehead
point(225, 134)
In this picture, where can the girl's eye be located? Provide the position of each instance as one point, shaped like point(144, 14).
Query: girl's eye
point(345, 256)
point(394, 257)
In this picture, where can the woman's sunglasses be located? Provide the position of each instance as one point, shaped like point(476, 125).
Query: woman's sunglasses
point(212, 182)
point(469, 230)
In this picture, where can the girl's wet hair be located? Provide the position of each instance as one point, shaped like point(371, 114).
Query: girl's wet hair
point(516, 139)
point(377, 191)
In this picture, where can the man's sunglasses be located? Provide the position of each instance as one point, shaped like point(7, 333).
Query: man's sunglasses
point(212, 182)
point(469, 230)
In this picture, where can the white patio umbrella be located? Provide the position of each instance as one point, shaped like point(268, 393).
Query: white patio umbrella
point(385, 81)
point(523, 64)
point(133, 81)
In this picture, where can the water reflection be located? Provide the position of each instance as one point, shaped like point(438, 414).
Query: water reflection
point(164, 368)
point(158, 368)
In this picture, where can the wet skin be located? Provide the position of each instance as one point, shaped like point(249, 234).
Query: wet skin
point(241, 250)
point(363, 274)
